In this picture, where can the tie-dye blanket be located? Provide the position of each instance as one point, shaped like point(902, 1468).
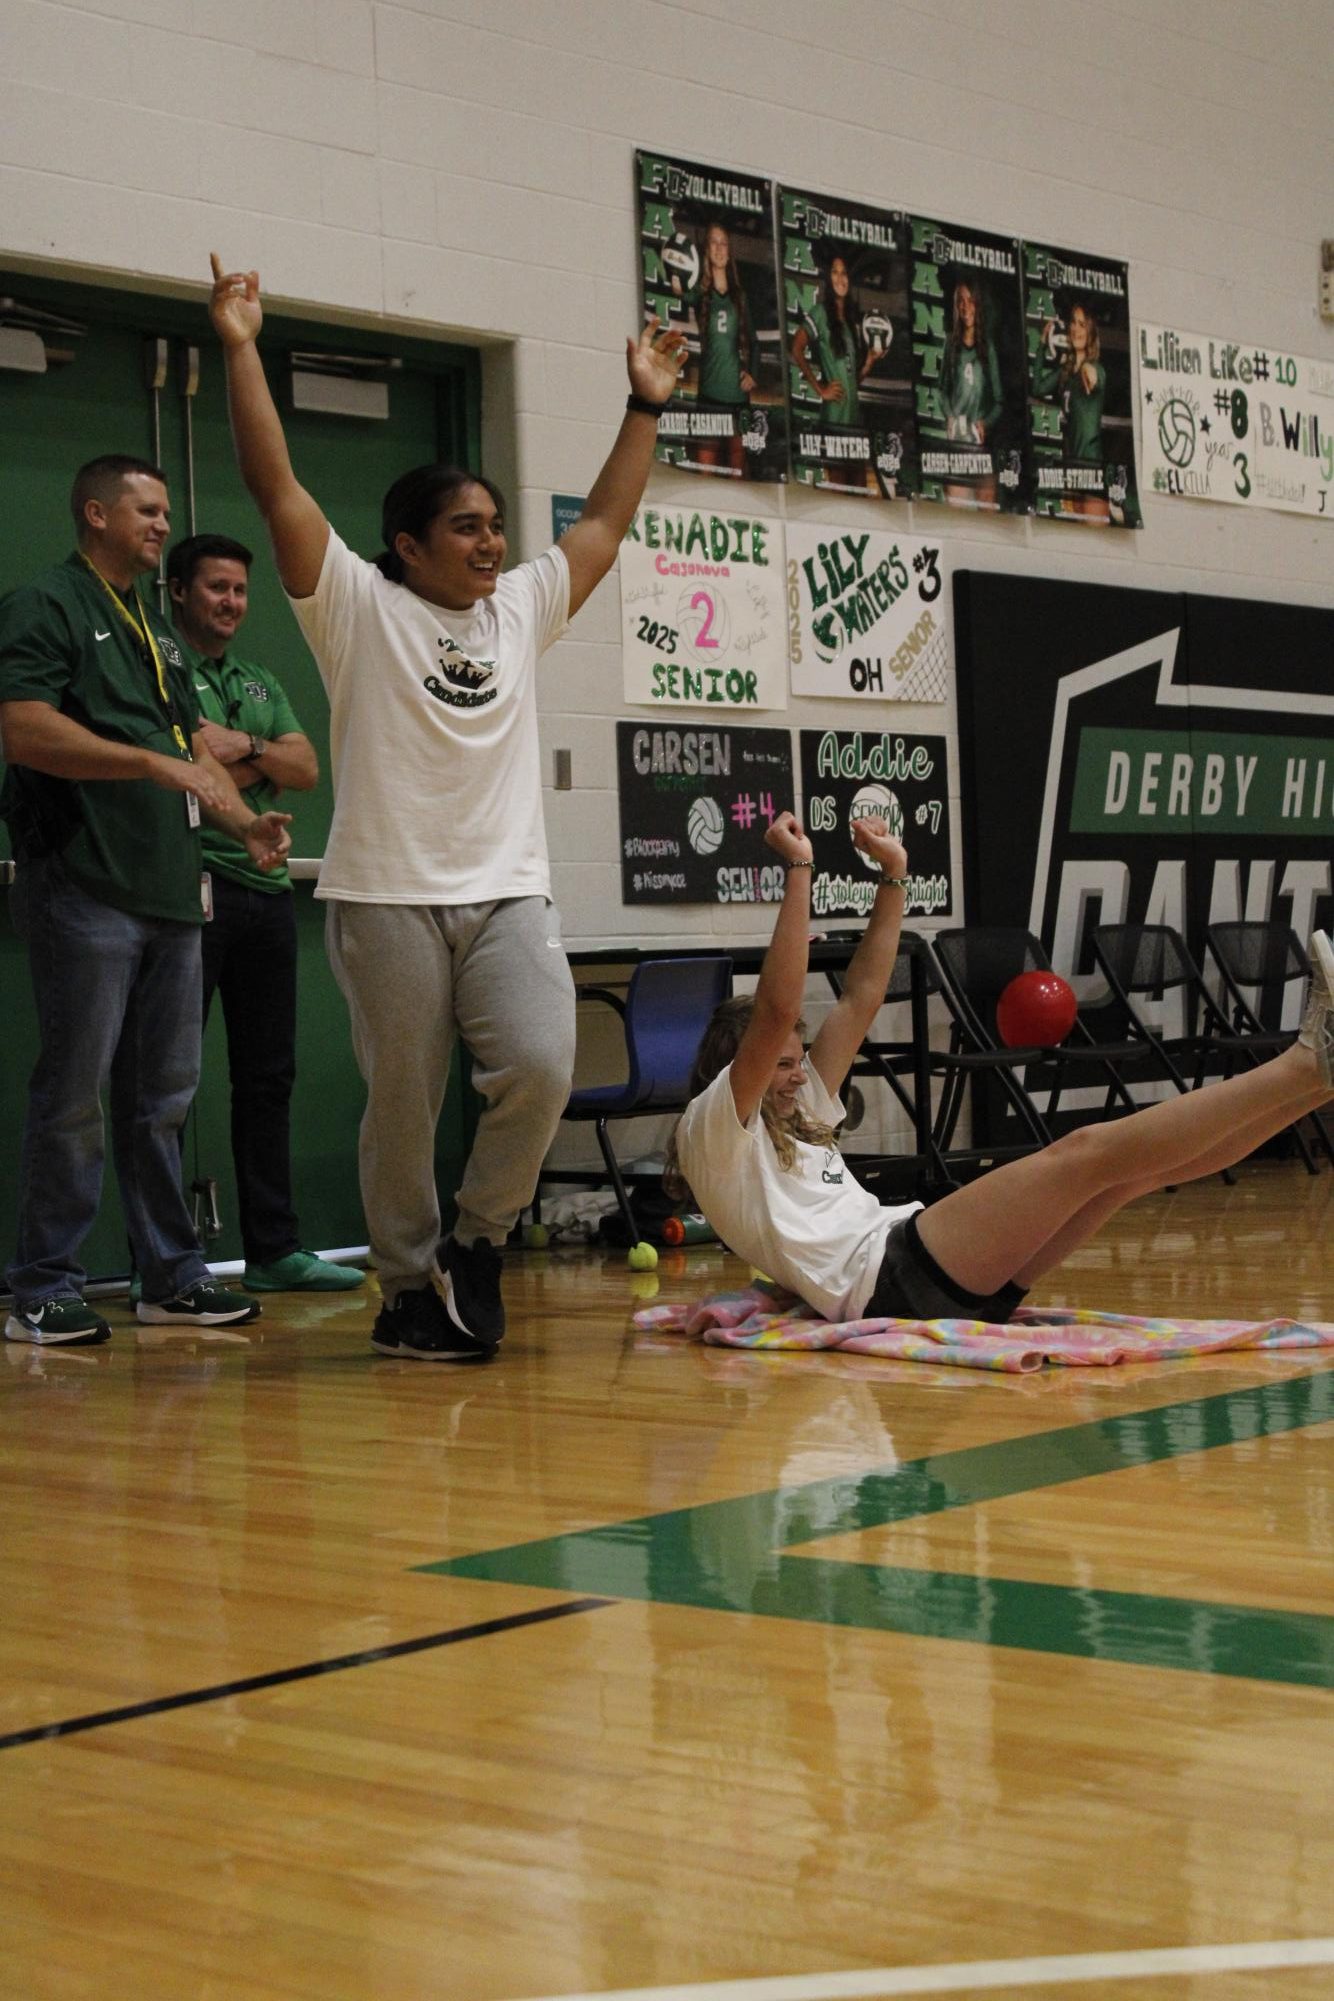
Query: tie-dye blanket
point(1071, 1337)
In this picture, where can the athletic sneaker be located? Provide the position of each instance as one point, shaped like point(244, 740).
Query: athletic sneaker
point(301, 1271)
point(1317, 1029)
point(469, 1283)
point(67, 1321)
point(201, 1305)
point(417, 1325)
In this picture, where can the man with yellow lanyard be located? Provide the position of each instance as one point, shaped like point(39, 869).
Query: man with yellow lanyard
point(106, 784)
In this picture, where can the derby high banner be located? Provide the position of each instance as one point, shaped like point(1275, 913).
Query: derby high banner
point(1246, 425)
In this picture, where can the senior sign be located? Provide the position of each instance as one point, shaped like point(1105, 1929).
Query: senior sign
point(701, 610)
point(868, 614)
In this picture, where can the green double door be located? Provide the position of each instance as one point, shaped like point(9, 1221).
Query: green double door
point(97, 396)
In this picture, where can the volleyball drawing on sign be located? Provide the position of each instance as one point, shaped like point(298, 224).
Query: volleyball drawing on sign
point(879, 803)
point(1176, 431)
point(703, 622)
point(704, 825)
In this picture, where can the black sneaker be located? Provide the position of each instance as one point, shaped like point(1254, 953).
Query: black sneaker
point(201, 1305)
point(417, 1325)
point(469, 1283)
point(65, 1321)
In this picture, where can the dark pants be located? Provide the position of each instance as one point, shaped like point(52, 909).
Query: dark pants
point(250, 962)
point(118, 1015)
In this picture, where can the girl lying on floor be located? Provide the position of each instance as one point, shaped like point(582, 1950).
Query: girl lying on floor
point(756, 1144)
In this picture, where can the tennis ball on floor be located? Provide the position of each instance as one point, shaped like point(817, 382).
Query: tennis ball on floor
point(537, 1236)
point(643, 1257)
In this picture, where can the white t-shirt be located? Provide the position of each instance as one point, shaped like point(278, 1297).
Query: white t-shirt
point(814, 1228)
point(433, 732)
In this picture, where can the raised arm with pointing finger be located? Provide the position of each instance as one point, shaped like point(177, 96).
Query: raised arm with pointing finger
point(295, 522)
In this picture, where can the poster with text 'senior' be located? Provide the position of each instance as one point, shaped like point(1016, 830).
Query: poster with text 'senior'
point(706, 265)
point(969, 361)
point(1081, 425)
point(1248, 425)
point(844, 269)
point(695, 803)
point(702, 610)
point(868, 614)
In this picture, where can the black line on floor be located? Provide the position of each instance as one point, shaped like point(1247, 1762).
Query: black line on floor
point(367, 1658)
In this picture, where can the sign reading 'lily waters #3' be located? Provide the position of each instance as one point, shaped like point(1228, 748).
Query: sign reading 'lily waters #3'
point(868, 615)
point(701, 610)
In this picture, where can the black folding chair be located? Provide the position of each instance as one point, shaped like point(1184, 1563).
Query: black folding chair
point(1262, 958)
point(914, 980)
point(1151, 962)
point(977, 962)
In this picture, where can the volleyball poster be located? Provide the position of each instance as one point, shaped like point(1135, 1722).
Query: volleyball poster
point(969, 359)
point(1080, 410)
point(702, 621)
point(706, 265)
point(847, 329)
point(695, 801)
point(869, 614)
point(849, 775)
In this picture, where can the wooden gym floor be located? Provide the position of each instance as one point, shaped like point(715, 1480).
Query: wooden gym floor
point(736, 1700)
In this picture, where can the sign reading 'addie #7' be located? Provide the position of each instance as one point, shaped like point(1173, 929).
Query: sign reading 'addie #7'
point(701, 610)
point(903, 780)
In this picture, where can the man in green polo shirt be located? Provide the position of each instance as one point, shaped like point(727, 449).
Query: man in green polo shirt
point(250, 952)
point(106, 784)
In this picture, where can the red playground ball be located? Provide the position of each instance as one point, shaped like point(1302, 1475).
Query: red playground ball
point(1036, 1011)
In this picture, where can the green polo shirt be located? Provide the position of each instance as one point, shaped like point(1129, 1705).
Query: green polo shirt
point(241, 696)
point(126, 842)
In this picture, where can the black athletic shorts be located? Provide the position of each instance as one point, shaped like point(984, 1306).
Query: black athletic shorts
point(912, 1286)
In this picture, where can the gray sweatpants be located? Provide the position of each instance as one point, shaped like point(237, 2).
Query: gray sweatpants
point(411, 975)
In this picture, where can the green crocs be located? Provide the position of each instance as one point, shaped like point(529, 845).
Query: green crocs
point(302, 1271)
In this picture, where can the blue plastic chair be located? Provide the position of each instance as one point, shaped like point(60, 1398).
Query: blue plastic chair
point(667, 1007)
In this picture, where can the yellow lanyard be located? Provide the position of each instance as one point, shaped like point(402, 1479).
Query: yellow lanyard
point(144, 634)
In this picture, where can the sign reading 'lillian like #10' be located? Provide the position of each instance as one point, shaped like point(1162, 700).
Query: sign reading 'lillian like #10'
point(701, 610)
point(1248, 425)
point(868, 615)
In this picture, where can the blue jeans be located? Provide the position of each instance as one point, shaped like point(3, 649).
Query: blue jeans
point(118, 1005)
